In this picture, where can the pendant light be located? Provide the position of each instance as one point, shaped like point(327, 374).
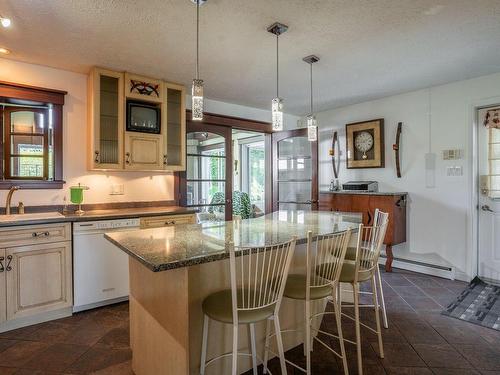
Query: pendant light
point(197, 88)
point(312, 125)
point(277, 103)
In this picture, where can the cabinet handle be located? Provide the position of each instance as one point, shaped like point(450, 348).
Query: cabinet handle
point(165, 159)
point(369, 217)
point(2, 268)
point(96, 159)
point(9, 258)
point(127, 158)
point(40, 234)
point(170, 222)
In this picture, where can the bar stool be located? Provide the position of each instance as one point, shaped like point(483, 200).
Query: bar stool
point(327, 257)
point(379, 218)
point(257, 283)
point(363, 269)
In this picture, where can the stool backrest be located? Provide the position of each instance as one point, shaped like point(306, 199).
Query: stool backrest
point(370, 240)
point(258, 276)
point(324, 259)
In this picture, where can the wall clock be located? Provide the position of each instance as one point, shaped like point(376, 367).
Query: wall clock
point(365, 144)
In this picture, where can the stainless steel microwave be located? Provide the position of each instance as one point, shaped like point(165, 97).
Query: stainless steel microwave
point(143, 117)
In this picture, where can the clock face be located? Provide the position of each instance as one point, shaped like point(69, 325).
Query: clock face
point(363, 142)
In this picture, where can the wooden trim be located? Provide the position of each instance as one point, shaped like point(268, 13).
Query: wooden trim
point(268, 204)
point(32, 93)
point(32, 184)
point(279, 136)
point(231, 121)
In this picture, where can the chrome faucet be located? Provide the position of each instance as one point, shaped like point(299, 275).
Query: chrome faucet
point(9, 198)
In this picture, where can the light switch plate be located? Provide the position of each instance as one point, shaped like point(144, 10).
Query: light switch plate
point(117, 189)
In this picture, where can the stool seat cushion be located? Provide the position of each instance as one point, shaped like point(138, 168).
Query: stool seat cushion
point(348, 271)
point(296, 288)
point(218, 306)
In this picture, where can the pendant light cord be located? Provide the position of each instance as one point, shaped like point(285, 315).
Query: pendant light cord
point(277, 66)
point(197, 38)
point(311, 89)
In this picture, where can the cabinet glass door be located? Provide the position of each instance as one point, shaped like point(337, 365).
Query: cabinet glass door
point(294, 171)
point(175, 127)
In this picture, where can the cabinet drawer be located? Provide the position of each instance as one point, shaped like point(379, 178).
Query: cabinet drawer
point(164, 221)
point(33, 234)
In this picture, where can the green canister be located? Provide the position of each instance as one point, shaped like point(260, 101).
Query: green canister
point(76, 196)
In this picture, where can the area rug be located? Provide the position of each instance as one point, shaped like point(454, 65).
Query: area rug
point(479, 304)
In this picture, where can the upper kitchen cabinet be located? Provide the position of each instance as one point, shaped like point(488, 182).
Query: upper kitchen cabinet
point(106, 113)
point(137, 123)
point(175, 129)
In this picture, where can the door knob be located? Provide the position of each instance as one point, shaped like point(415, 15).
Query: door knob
point(486, 208)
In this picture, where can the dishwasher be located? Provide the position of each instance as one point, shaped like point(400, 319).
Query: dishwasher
point(100, 269)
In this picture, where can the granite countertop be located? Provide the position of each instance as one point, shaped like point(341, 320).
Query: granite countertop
point(364, 192)
point(161, 249)
point(117, 213)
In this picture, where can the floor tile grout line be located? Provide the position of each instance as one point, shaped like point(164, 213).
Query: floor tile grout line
point(423, 291)
point(395, 291)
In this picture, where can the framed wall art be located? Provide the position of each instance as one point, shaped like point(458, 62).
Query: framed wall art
point(365, 144)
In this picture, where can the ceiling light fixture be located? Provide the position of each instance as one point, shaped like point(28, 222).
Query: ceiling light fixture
point(197, 88)
point(5, 21)
point(312, 125)
point(4, 51)
point(277, 103)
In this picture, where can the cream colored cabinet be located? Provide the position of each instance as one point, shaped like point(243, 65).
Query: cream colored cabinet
point(167, 220)
point(38, 279)
point(35, 274)
point(175, 129)
point(106, 114)
point(143, 151)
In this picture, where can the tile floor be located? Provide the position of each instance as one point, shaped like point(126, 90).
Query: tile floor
point(419, 340)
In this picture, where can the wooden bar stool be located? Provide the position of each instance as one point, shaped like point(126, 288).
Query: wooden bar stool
point(323, 268)
point(258, 279)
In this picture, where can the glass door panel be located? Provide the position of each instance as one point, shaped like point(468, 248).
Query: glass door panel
point(294, 171)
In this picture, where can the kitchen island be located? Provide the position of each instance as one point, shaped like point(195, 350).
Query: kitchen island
point(165, 307)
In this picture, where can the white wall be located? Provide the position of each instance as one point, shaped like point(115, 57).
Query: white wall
point(440, 218)
point(139, 186)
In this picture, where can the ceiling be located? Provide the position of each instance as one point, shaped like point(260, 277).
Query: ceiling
point(368, 48)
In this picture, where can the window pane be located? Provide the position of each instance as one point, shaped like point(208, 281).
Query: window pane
point(257, 175)
point(293, 147)
point(294, 206)
point(295, 169)
point(205, 143)
point(495, 151)
point(26, 145)
point(211, 214)
point(27, 122)
point(205, 193)
point(294, 191)
point(205, 168)
point(26, 166)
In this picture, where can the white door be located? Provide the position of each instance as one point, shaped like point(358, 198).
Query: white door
point(489, 195)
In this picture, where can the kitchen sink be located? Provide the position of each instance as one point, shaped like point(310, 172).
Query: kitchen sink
point(28, 217)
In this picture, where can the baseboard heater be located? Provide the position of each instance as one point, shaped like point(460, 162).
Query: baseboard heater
point(446, 272)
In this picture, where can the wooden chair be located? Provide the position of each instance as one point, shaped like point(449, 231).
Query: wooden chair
point(258, 279)
point(324, 262)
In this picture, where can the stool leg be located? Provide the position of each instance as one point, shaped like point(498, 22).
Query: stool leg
point(338, 319)
point(279, 342)
point(355, 288)
point(382, 300)
point(234, 367)
point(308, 338)
point(251, 331)
point(204, 340)
point(266, 345)
point(377, 317)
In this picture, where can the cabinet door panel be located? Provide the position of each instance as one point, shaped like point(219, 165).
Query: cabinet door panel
point(39, 279)
point(143, 151)
point(361, 203)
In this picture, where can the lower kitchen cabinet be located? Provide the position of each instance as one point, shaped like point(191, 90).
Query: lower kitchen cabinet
point(168, 220)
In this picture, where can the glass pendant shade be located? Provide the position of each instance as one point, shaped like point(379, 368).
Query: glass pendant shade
point(277, 114)
point(197, 100)
point(312, 128)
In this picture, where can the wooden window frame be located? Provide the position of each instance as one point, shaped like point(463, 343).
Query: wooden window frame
point(34, 96)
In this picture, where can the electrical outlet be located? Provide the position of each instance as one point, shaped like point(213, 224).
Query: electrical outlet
point(117, 189)
point(454, 171)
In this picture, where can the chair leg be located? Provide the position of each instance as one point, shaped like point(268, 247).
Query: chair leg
point(355, 288)
point(308, 337)
point(234, 366)
point(338, 319)
point(204, 340)
point(279, 342)
point(266, 345)
point(377, 316)
point(382, 300)
point(251, 331)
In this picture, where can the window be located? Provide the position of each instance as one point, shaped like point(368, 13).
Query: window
point(253, 172)
point(30, 137)
point(494, 162)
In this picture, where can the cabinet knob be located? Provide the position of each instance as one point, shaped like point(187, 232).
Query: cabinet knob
point(165, 159)
point(127, 158)
point(96, 158)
